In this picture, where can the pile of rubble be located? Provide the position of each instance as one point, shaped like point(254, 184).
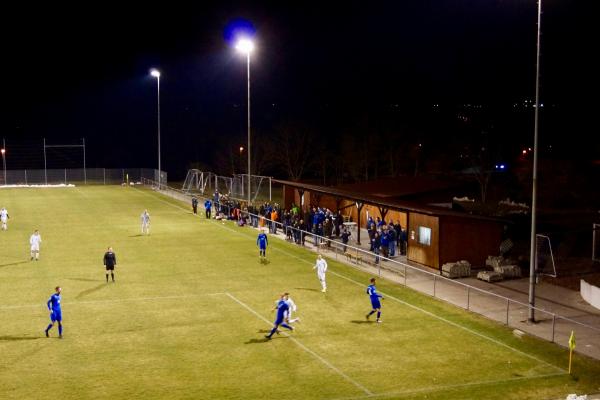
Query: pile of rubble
point(502, 268)
point(459, 269)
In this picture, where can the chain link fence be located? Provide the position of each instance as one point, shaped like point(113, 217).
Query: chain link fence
point(97, 176)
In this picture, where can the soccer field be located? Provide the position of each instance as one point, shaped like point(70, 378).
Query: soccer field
point(187, 316)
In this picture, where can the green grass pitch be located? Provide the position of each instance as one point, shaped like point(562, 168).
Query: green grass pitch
point(187, 316)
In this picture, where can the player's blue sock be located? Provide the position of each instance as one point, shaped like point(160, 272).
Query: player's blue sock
point(372, 312)
point(60, 329)
point(378, 314)
point(49, 327)
point(272, 332)
point(287, 327)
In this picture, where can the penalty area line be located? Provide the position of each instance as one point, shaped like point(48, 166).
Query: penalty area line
point(303, 347)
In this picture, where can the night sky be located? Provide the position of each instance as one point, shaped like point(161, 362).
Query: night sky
point(82, 70)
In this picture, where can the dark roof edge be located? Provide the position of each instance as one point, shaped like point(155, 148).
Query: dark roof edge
point(376, 201)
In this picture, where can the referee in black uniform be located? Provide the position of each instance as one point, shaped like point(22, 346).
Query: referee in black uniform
point(110, 262)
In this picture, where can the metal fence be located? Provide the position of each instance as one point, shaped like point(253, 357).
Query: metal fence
point(512, 313)
point(102, 176)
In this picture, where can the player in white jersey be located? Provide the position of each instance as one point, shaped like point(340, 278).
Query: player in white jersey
point(321, 267)
point(35, 240)
point(292, 309)
point(145, 218)
point(4, 218)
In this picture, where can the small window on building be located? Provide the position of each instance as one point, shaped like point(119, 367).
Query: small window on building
point(425, 235)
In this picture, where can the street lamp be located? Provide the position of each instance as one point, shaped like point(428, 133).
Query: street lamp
point(156, 73)
point(246, 46)
point(3, 151)
point(533, 252)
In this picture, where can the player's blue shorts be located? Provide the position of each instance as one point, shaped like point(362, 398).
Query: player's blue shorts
point(263, 247)
point(375, 303)
point(56, 316)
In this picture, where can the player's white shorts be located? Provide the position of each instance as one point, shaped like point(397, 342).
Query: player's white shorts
point(35, 247)
point(321, 276)
point(3, 220)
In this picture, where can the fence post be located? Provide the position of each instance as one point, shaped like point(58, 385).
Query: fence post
point(65, 176)
point(434, 280)
point(468, 296)
point(104, 175)
point(405, 275)
point(26, 177)
point(507, 310)
point(553, 326)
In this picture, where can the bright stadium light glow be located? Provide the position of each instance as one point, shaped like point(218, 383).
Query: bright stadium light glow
point(244, 46)
point(155, 73)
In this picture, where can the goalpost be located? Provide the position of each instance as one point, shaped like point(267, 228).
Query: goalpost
point(544, 258)
point(65, 157)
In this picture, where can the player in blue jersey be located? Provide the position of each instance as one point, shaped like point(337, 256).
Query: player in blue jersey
point(55, 312)
point(262, 242)
point(375, 304)
point(282, 308)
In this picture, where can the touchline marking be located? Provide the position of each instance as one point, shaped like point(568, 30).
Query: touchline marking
point(447, 387)
point(396, 299)
point(303, 347)
point(116, 300)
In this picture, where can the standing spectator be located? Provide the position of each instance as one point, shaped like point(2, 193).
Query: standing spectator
point(110, 262)
point(4, 218)
point(207, 208)
point(403, 241)
point(392, 240)
point(145, 218)
point(376, 244)
point(385, 242)
point(303, 229)
point(345, 237)
point(274, 218)
point(35, 240)
point(195, 204)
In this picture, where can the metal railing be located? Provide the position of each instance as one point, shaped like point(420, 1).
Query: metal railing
point(103, 176)
point(512, 313)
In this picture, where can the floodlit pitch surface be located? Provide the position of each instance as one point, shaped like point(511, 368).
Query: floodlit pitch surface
point(192, 303)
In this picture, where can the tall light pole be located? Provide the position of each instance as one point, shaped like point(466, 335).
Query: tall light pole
point(533, 252)
point(3, 151)
point(156, 73)
point(246, 46)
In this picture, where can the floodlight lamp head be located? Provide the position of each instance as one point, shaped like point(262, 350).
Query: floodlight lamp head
point(155, 73)
point(245, 46)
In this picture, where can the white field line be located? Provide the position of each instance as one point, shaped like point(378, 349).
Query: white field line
point(396, 299)
point(303, 347)
point(70, 303)
point(437, 317)
point(449, 387)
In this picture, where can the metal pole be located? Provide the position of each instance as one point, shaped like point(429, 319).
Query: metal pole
point(158, 104)
point(507, 310)
point(535, 160)
point(84, 173)
point(468, 296)
point(553, 326)
point(104, 175)
point(4, 158)
point(45, 165)
point(249, 149)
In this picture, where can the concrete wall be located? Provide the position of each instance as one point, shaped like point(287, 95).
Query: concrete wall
point(590, 293)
